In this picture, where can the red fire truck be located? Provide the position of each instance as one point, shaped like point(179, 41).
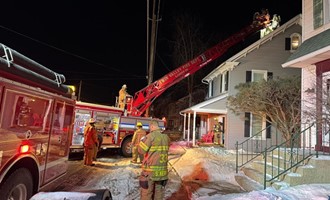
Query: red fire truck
point(37, 113)
point(114, 128)
point(36, 117)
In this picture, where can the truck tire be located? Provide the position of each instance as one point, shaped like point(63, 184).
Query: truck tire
point(101, 194)
point(18, 186)
point(126, 148)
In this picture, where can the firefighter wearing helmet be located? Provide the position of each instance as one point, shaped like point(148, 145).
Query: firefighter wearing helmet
point(138, 134)
point(122, 96)
point(154, 173)
point(218, 132)
point(90, 142)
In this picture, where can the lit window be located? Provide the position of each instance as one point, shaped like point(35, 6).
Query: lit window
point(295, 41)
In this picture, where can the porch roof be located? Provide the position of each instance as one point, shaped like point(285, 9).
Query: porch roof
point(311, 51)
point(203, 107)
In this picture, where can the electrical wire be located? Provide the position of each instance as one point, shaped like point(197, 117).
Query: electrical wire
point(69, 53)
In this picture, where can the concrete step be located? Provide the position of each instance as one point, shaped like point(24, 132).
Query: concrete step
point(271, 170)
point(312, 170)
point(279, 185)
point(255, 175)
point(247, 183)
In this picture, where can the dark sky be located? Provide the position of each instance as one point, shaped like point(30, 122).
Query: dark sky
point(102, 43)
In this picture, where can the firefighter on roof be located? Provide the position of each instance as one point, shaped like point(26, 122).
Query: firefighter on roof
point(154, 173)
point(122, 96)
point(138, 134)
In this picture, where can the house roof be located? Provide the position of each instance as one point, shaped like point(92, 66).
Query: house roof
point(201, 107)
point(230, 63)
point(311, 51)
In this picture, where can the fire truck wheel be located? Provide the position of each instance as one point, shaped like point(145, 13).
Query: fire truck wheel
point(19, 185)
point(101, 194)
point(126, 148)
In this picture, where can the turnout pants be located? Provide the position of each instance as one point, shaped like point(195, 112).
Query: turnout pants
point(89, 153)
point(151, 190)
point(154, 191)
point(136, 155)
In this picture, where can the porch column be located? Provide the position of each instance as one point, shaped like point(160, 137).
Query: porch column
point(194, 129)
point(184, 125)
point(188, 138)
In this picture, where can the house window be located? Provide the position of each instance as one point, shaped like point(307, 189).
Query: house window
point(224, 82)
point(319, 12)
point(211, 88)
point(258, 75)
point(295, 41)
point(258, 123)
point(326, 109)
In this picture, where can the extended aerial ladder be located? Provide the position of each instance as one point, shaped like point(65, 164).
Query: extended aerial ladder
point(144, 97)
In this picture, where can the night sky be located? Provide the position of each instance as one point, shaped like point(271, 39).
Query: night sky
point(102, 44)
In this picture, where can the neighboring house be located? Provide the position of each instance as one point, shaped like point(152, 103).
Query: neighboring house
point(313, 57)
point(261, 60)
point(174, 119)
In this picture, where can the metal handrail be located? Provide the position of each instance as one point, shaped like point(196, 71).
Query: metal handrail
point(253, 147)
point(281, 165)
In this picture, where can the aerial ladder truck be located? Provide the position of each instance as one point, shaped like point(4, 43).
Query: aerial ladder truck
point(137, 105)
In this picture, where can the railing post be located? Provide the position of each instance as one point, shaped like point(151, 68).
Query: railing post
point(265, 167)
point(236, 157)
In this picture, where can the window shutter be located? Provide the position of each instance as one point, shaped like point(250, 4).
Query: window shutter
point(220, 78)
point(211, 88)
point(269, 75)
point(269, 128)
point(226, 80)
point(248, 76)
point(247, 124)
point(287, 44)
point(223, 124)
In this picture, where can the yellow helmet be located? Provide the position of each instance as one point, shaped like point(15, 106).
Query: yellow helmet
point(91, 121)
point(139, 124)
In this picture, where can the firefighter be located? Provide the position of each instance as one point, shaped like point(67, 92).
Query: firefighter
point(154, 175)
point(122, 96)
point(138, 134)
point(90, 142)
point(217, 132)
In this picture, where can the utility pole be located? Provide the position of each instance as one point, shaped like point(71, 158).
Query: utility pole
point(151, 62)
point(80, 84)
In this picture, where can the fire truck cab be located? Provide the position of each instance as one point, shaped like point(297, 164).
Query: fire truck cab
point(35, 127)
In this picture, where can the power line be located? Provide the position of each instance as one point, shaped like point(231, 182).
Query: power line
point(66, 52)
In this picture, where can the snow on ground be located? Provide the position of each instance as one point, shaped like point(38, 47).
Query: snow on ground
point(207, 173)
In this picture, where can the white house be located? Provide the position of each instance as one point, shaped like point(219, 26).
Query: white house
point(313, 57)
point(262, 59)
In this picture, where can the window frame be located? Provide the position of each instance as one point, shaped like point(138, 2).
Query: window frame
point(318, 13)
point(293, 47)
point(252, 116)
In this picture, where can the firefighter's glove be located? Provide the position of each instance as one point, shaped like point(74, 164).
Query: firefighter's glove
point(164, 182)
point(143, 138)
point(143, 180)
